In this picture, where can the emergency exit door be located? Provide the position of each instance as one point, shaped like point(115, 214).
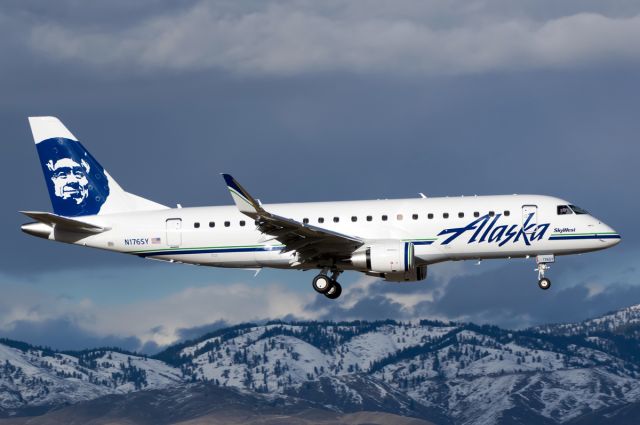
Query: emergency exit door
point(174, 232)
point(529, 218)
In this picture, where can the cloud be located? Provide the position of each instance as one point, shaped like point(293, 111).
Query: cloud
point(502, 293)
point(66, 333)
point(185, 334)
point(288, 38)
point(497, 292)
point(29, 313)
point(163, 321)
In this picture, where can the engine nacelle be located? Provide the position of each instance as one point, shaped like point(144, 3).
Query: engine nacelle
point(418, 273)
point(385, 257)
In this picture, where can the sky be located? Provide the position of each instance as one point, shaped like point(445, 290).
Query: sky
point(317, 101)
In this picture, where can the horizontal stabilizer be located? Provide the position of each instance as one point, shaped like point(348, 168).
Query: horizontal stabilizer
point(64, 223)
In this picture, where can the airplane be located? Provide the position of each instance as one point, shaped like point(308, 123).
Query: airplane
point(395, 240)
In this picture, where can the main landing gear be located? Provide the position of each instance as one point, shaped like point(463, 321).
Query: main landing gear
point(543, 262)
point(327, 286)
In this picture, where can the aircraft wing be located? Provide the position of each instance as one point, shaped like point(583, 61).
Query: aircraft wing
point(312, 243)
point(65, 223)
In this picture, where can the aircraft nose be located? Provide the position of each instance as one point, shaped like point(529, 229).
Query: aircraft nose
point(609, 235)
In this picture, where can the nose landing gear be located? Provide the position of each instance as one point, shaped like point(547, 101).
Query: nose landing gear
point(543, 265)
point(327, 286)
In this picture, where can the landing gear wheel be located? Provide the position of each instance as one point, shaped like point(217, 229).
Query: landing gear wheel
point(334, 292)
point(321, 283)
point(544, 283)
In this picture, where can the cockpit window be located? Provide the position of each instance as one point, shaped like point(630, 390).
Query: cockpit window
point(564, 210)
point(576, 209)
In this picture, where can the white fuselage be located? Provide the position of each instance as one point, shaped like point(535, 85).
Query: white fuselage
point(441, 229)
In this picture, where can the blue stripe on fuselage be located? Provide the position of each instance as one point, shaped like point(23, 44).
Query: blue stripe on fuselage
point(561, 238)
point(207, 251)
point(228, 250)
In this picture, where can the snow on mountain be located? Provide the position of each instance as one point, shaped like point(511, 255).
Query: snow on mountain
point(476, 374)
point(626, 320)
point(39, 377)
point(443, 372)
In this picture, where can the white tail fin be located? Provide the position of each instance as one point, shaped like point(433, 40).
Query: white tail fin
point(78, 185)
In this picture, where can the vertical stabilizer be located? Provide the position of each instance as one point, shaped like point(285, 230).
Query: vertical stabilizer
point(78, 185)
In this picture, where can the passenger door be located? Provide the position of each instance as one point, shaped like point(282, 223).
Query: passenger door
point(174, 232)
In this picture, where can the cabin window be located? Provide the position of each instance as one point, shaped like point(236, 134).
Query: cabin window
point(399, 217)
point(445, 215)
point(242, 223)
point(305, 220)
point(576, 209)
point(415, 216)
point(227, 223)
point(336, 219)
point(256, 222)
point(461, 215)
point(212, 224)
point(354, 218)
point(507, 213)
point(384, 217)
point(564, 210)
point(430, 216)
point(369, 218)
point(196, 225)
point(492, 213)
point(476, 214)
point(320, 219)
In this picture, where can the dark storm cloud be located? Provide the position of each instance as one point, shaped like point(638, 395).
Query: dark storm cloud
point(112, 15)
point(185, 334)
point(368, 307)
point(507, 296)
point(64, 334)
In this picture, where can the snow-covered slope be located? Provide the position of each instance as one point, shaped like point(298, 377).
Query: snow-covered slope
point(447, 372)
point(625, 321)
point(37, 377)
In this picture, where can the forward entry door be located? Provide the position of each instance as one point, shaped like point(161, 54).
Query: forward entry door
point(529, 218)
point(174, 232)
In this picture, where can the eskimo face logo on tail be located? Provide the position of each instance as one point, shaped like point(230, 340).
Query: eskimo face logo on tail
point(77, 183)
point(70, 179)
point(490, 231)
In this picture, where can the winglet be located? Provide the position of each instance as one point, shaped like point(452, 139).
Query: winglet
point(245, 202)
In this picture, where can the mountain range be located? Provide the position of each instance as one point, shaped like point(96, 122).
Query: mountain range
point(324, 372)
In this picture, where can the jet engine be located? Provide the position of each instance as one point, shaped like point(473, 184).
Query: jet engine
point(386, 257)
